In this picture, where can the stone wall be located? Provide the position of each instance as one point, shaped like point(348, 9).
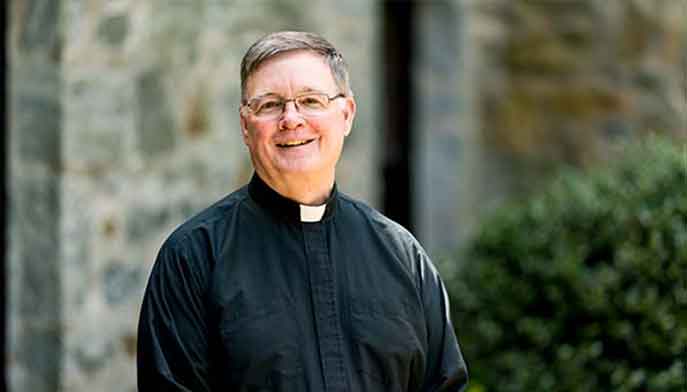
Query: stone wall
point(123, 123)
point(35, 113)
point(562, 83)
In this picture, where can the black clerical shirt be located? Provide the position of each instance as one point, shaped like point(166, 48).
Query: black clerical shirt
point(247, 297)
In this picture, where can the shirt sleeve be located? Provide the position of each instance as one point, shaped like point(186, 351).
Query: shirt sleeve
point(446, 370)
point(172, 331)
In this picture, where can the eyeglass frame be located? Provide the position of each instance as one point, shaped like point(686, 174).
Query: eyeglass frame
point(246, 103)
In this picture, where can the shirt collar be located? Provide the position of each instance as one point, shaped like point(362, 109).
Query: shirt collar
point(286, 208)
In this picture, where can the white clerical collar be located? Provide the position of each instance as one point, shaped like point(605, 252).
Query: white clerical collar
point(312, 213)
point(289, 209)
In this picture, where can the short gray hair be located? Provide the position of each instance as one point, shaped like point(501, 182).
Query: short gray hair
point(285, 41)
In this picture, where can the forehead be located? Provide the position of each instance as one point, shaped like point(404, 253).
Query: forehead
point(289, 73)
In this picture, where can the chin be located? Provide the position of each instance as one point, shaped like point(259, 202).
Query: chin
point(300, 166)
point(299, 171)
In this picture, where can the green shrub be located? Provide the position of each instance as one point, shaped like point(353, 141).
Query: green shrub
point(582, 288)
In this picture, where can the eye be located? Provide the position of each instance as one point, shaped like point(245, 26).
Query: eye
point(314, 101)
point(267, 105)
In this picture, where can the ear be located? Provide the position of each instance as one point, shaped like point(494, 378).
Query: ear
point(349, 114)
point(244, 127)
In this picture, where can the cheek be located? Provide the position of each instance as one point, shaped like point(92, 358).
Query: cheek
point(328, 129)
point(259, 136)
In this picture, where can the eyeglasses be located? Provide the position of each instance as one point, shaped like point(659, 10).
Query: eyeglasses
point(270, 107)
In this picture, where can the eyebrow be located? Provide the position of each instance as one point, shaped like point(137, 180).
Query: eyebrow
point(300, 92)
point(262, 96)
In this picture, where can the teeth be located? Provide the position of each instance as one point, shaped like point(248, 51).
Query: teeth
point(293, 143)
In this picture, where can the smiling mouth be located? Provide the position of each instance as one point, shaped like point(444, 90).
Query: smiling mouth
point(294, 143)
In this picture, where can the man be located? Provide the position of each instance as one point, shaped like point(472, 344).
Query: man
point(287, 284)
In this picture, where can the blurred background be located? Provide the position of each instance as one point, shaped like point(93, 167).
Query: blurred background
point(121, 121)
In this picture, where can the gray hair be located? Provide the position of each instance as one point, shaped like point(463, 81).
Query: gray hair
point(285, 41)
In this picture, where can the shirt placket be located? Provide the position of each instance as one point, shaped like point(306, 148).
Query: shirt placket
point(323, 291)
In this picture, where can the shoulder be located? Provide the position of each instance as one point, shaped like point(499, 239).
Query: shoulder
point(396, 237)
point(407, 249)
point(207, 226)
point(377, 220)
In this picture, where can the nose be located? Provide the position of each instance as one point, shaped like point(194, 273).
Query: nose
point(290, 117)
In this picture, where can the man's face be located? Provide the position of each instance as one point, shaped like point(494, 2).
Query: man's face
point(272, 142)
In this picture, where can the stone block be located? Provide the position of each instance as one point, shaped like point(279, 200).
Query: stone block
point(113, 29)
point(121, 282)
point(34, 299)
point(36, 229)
point(99, 120)
point(156, 126)
point(94, 353)
point(77, 238)
point(37, 22)
point(35, 366)
point(36, 119)
point(143, 221)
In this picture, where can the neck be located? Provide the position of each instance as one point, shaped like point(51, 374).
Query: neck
point(302, 188)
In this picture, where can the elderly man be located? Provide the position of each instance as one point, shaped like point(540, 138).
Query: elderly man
point(288, 284)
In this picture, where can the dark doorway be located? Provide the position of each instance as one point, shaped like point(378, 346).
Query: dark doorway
point(397, 114)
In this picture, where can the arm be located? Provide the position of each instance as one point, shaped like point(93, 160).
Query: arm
point(446, 370)
point(172, 331)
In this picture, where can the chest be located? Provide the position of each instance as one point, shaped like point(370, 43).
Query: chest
point(288, 311)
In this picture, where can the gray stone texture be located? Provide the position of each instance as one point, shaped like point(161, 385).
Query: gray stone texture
point(35, 88)
point(155, 125)
point(34, 301)
point(37, 27)
point(548, 84)
point(437, 133)
point(123, 123)
point(113, 29)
